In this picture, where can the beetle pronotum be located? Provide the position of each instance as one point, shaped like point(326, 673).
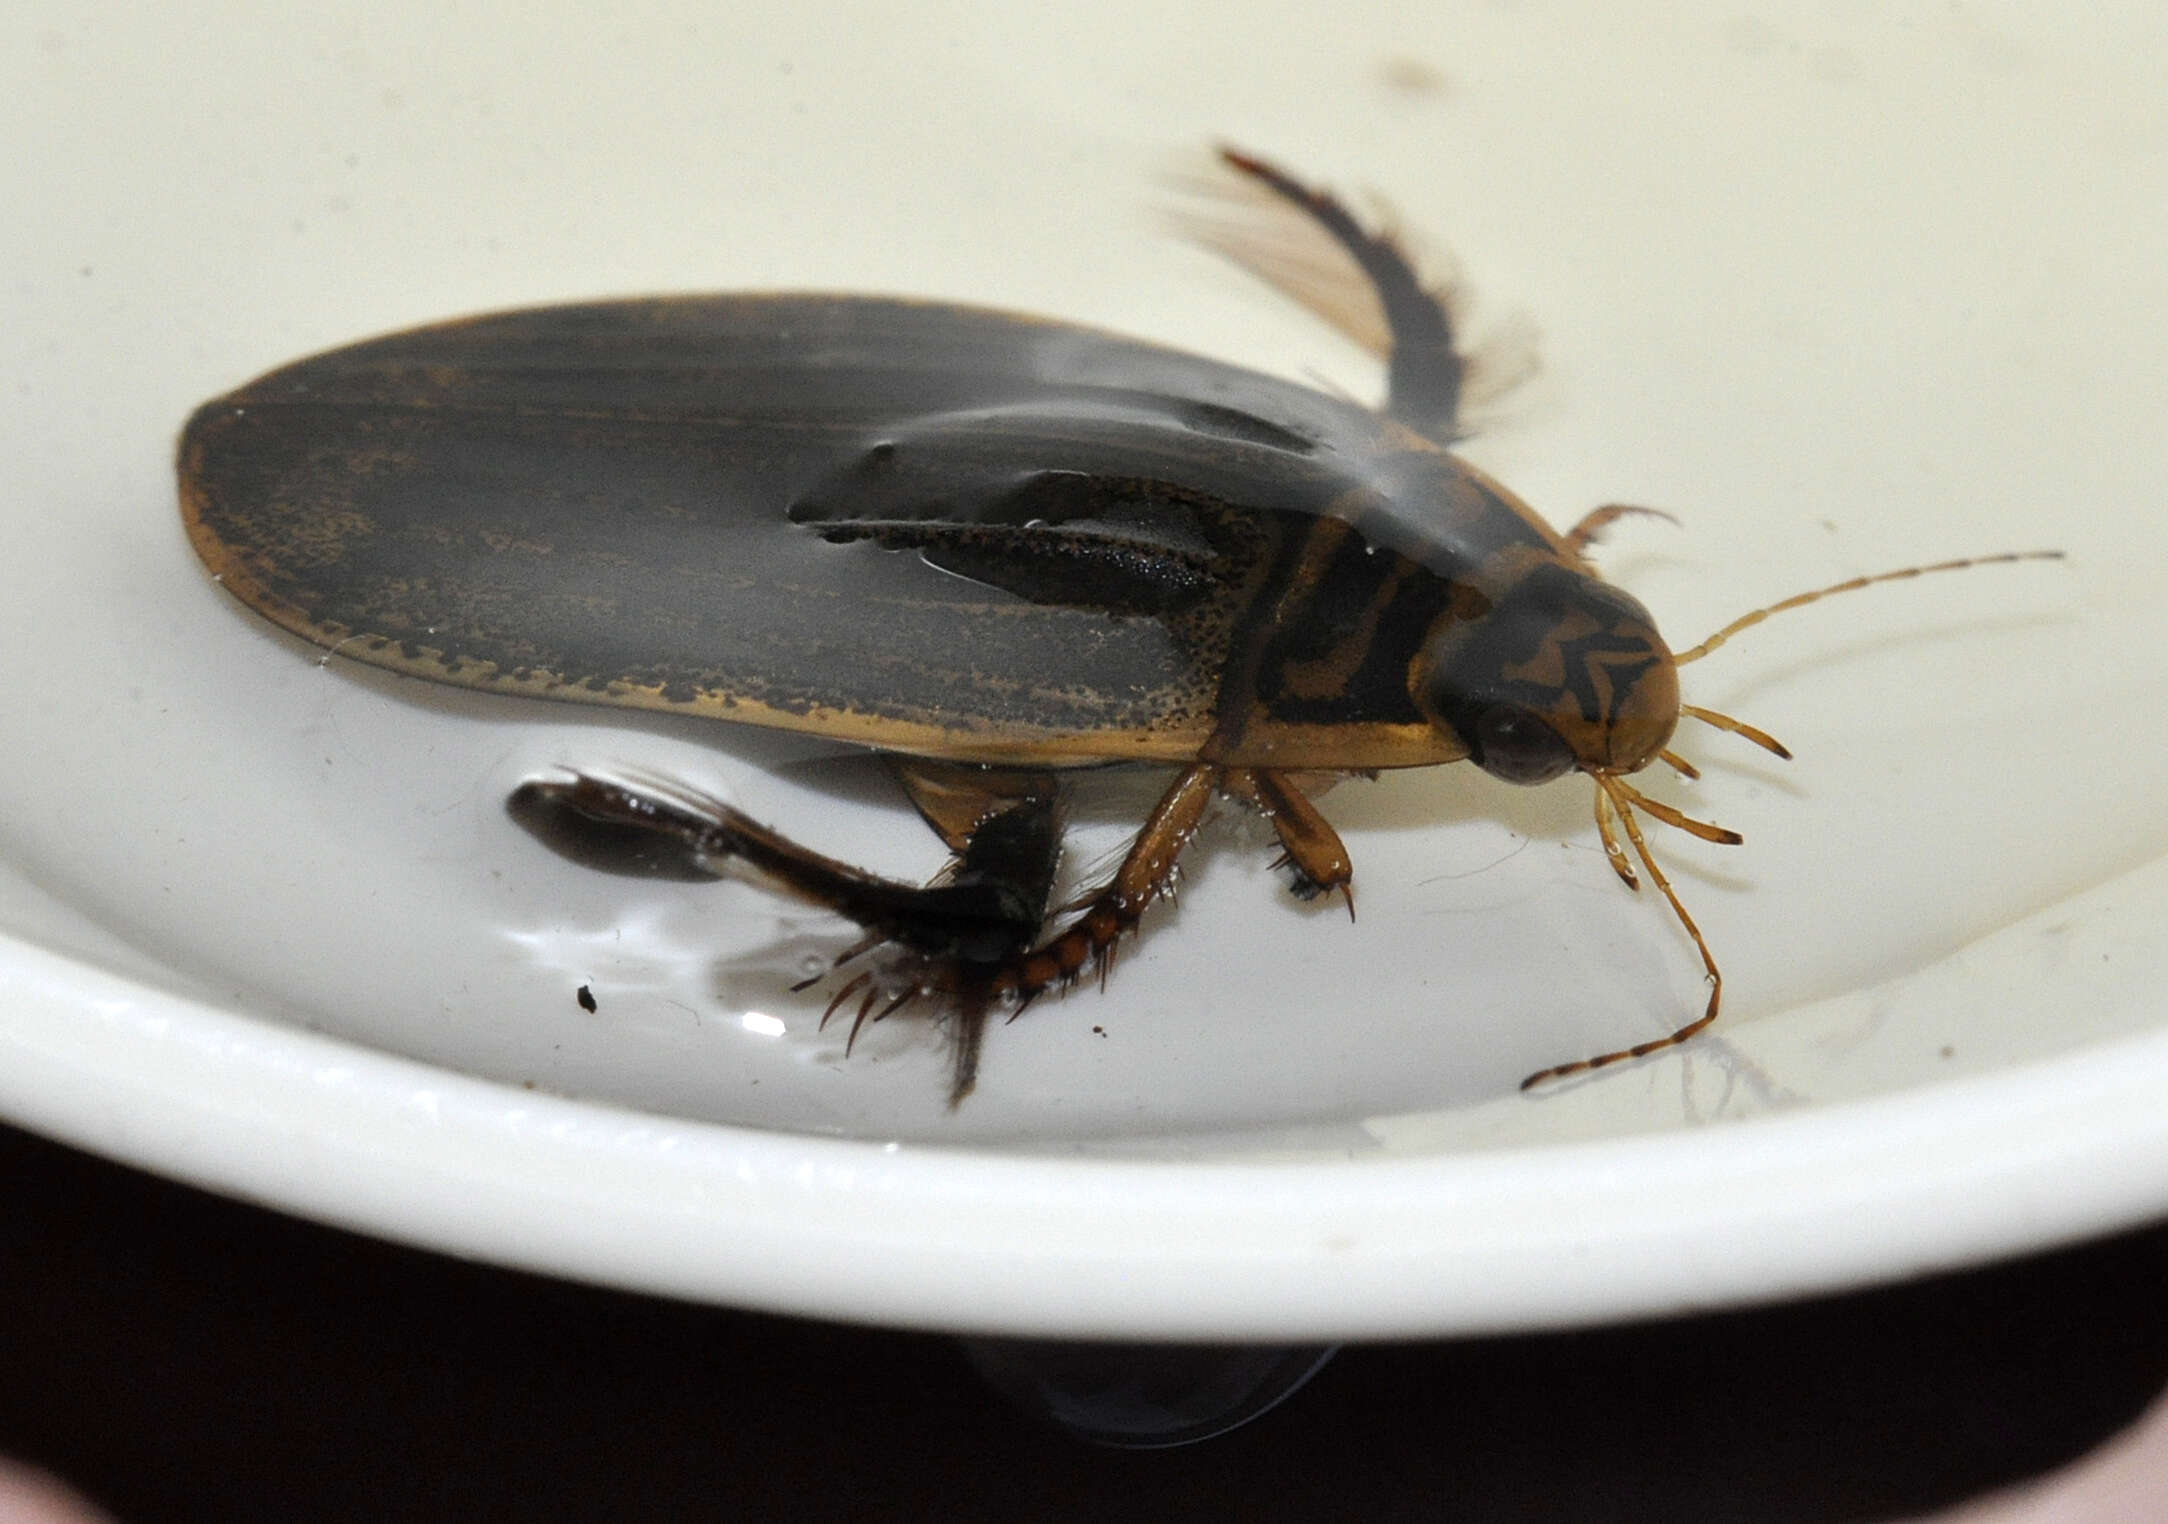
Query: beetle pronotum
point(994, 548)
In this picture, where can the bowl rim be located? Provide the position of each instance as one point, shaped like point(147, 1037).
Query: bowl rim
point(1059, 1246)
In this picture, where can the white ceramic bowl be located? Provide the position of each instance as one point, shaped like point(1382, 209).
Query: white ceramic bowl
point(1842, 293)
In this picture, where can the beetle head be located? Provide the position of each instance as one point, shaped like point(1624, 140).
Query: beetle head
point(1561, 671)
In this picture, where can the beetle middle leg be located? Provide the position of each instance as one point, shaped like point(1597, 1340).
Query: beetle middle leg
point(1101, 922)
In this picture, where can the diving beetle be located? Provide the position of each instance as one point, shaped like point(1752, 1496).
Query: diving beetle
point(993, 547)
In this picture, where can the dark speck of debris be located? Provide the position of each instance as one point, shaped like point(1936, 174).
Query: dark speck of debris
point(1101, 1031)
point(586, 998)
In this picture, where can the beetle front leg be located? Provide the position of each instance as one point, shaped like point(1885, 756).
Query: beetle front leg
point(1312, 847)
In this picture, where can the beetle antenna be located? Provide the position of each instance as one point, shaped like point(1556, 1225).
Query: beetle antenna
point(1850, 585)
point(1623, 798)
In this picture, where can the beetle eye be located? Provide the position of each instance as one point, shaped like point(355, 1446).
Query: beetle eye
point(1517, 746)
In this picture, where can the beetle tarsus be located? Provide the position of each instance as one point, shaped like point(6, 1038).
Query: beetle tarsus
point(850, 954)
point(1299, 884)
point(1308, 843)
point(1145, 875)
point(968, 1034)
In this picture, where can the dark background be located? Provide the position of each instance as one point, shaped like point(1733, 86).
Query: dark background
point(182, 1357)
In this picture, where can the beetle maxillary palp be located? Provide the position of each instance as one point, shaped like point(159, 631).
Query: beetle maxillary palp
point(1612, 851)
point(1626, 794)
point(1740, 728)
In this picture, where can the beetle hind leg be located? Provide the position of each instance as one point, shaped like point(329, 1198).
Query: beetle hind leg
point(1362, 281)
point(986, 908)
point(975, 914)
point(1004, 826)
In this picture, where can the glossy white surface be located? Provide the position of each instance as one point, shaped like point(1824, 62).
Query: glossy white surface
point(1844, 294)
